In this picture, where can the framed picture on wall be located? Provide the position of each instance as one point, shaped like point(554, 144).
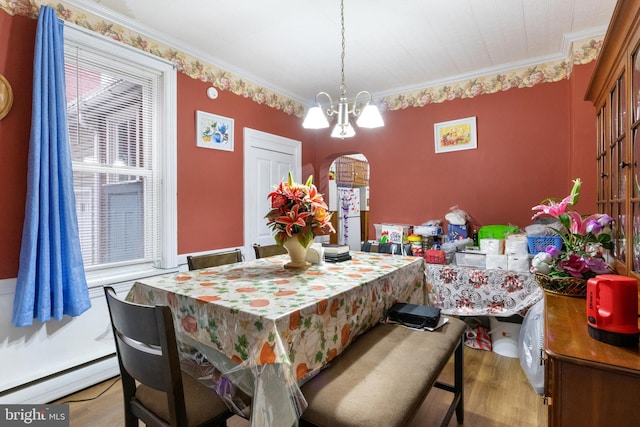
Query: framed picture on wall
point(455, 135)
point(213, 131)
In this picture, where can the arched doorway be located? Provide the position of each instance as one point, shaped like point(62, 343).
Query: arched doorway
point(349, 199)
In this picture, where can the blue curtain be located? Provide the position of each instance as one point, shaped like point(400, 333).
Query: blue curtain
point(51, 280)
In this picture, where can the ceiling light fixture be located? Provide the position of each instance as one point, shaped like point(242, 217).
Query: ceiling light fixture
point(368, 116)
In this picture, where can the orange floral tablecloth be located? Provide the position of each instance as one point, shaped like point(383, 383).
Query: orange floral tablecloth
point(257, 313)
point(466, 291)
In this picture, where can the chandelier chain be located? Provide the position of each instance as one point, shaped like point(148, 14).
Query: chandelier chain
point(368, 115)
point(343, 88)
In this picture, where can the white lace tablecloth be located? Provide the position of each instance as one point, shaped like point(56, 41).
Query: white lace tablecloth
point(467, 291)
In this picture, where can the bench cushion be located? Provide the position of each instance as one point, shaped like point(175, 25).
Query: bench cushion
point(382, 379)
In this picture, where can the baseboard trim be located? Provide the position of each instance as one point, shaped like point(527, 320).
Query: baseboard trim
point(56, 386)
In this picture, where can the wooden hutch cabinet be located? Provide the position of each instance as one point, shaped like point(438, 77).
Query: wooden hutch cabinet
point(587, 382)
point(615, 91)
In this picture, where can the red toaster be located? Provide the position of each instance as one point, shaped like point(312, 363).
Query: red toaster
point(612, 309)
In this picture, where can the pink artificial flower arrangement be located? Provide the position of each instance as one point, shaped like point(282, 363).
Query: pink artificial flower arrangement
point(298, 209)
point(584, 239)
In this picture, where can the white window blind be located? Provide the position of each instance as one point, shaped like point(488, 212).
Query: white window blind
point(112, 108)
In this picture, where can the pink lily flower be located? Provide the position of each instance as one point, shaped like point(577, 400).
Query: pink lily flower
point(553, 209)
point(590, 224)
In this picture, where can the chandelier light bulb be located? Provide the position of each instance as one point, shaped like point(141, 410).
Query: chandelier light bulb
point(315, 119)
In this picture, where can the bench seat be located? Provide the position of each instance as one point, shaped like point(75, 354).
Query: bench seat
point(384, 376)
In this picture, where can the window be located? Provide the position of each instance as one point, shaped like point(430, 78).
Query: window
point(121, 114)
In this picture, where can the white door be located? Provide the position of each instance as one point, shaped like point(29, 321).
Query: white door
point(268, 159)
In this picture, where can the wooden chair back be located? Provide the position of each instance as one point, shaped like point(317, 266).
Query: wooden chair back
point(148, 354)
point(268, 250)
point(197, 262)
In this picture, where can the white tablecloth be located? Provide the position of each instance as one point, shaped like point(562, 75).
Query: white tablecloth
point(467, 291)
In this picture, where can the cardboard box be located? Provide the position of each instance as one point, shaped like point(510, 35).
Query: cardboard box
point(457, 232)
point(393, 233)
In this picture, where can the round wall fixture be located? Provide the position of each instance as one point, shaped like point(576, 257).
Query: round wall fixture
point(212, 92)
point(6, 97)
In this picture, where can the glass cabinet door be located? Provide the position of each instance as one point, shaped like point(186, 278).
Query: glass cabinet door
point(615, 92)
point(618, 166)
point(635, 158)
point(601, 162)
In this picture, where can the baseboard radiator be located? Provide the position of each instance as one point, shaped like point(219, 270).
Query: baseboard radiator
point(59, 385)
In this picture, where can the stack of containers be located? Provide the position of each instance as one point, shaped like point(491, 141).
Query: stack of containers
point(429, 232)
point(517, 250)
point(503, 248)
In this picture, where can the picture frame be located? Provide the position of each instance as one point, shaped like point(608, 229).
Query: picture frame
point(455, 135)
point(214, 131)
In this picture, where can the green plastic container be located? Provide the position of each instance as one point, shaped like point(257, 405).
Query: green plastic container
point(496, 231)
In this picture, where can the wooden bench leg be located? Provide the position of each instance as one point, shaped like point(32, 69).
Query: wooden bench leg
point(459, 381)
point(457, 404)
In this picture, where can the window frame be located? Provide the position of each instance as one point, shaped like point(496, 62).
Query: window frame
point(165, 157)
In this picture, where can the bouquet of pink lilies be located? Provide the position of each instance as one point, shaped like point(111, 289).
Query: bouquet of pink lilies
point(584, 240)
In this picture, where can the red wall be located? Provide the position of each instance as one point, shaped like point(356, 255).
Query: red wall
point(17, 39)
point(531, 143)
point(210, 182)
point(582, 154)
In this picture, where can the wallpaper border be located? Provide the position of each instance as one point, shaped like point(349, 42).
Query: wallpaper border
point(581, 52)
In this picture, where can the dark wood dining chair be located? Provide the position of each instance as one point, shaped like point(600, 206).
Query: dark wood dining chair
point(395, 248)
point(148, 356)
point(268, 250)
point(197, 262)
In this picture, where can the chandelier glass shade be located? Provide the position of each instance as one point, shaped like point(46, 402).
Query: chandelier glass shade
point(367, 116)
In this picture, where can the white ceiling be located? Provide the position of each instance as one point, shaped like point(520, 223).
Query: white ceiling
point(294, 46)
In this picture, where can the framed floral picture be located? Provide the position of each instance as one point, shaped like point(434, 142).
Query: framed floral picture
point(213, 131)
point(455, 135)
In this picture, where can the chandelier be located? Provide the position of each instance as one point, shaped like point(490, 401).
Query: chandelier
point(368, 116)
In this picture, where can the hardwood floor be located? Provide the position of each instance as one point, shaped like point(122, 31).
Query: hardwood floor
point(497, 394)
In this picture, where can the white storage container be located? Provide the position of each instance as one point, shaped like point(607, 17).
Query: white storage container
point(471, 259)
point(427, 230)
point(492, 246)
point(516, 245)
point(504, 337)
point(497, 262)
point(519, 263)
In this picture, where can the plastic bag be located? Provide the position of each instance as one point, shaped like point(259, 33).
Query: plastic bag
point(478, 338)
point(477, 335)
point(531, 342)
point(457, 216)
point(543, 229)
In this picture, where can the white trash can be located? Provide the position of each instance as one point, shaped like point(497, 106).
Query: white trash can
point(504, 337)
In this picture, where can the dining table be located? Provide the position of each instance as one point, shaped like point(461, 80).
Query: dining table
point(266, 329)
